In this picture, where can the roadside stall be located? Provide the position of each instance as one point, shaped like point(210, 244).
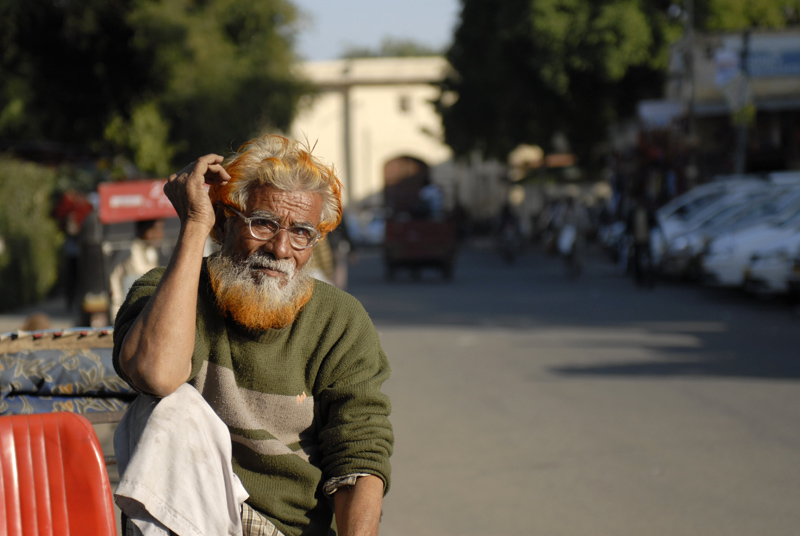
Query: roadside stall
point(108, 235)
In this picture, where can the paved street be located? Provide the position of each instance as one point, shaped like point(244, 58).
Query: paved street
point(524, 403)
point(528, 404)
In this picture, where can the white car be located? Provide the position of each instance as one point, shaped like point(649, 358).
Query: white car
point(683, 213)
point(729, 254)
point(682, 254)
point(770, 269)
point(698, 197)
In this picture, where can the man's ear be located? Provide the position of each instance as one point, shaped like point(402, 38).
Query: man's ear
point(219, 223)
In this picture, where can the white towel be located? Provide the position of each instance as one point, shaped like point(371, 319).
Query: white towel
point(174, 457)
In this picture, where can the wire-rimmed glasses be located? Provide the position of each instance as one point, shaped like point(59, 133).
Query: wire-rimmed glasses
point(264, 228)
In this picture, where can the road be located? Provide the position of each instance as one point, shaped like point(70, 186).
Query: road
point(528, 404)
point(525, 403)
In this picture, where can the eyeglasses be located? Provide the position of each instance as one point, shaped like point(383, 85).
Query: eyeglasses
point(263, 228)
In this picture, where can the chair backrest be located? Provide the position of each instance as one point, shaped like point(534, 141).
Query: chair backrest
point(53, 479)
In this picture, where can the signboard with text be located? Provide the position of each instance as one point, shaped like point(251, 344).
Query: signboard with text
point(133, 201)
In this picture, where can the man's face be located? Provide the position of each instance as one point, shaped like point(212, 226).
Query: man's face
point(263, 284)
point(155, 234)
point(288, 208)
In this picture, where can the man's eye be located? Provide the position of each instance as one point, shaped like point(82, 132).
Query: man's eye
point(303, 232)
point(264, 224)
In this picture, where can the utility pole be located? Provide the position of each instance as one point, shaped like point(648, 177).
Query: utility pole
point(741, 115)
point(691, 141)
point(688, 30)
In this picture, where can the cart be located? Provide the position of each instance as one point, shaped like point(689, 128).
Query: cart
point(420, 232)
point(416, 244)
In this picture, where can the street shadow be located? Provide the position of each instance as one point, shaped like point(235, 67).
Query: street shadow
point(750, 337)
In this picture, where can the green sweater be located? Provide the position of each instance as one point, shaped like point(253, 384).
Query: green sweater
point(303, 403)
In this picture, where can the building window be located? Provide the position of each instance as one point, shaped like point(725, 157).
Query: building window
point(405, 103)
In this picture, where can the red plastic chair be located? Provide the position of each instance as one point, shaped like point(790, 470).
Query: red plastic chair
point(53, 479)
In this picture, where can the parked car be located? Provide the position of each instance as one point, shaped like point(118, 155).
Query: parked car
point(682, 254)
point(770, 269)
point(685, 211)
point(729, 253)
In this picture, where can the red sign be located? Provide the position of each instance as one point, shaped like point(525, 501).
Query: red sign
point(134, 201)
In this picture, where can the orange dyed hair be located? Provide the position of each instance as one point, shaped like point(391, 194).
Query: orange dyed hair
point(284, 164)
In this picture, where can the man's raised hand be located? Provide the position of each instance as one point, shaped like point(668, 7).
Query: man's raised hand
point(187, 193)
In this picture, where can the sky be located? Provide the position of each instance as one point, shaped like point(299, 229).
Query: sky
point(335, 25)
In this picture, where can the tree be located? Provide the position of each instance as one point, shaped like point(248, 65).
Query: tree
point(225, 69)
point(392, 48)
point(29, 238)
point(734, 15)
point(525, 70)
point(161, 81)
point(65, 66)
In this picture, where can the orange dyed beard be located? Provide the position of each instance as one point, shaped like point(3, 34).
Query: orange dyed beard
point(254, 300)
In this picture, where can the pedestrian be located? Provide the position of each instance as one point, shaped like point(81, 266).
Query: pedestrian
point(343, 253)
point(143, 256)
point(292, 366)
point(640, 223)
point(70, 211)
point(573, 223)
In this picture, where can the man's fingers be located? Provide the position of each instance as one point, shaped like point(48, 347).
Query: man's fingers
point(217, 172)
point(210, 168)
point(212, 158)
point(206, 169)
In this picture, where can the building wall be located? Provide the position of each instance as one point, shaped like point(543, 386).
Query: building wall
point(709, 84)
point(773, 67)
point(369, 111)
point(392, 121)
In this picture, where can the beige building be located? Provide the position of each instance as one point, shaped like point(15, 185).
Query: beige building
point(370, 111)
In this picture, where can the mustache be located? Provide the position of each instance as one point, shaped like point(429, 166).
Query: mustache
point(260, 260)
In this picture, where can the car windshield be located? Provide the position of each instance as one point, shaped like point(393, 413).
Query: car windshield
point(727, 214)
point(790, 219)
point(693, 206)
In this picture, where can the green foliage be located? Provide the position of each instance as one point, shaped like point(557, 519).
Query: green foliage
point(525, 70)
point(735, 15)
point(64, 67)
point(158, 81)
point(392, 48)
point(146, 134)
point(31, 239)
point(224, 68)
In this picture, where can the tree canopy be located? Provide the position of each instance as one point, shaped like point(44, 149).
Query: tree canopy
point(525, 70)
point(161, 81)
point(392, 48)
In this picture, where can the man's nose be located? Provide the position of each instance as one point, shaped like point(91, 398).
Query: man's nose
point(279, 245)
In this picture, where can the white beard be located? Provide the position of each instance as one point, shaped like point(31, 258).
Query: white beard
point(253, 299)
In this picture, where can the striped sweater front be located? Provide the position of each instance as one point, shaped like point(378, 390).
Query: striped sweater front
point(303, 403)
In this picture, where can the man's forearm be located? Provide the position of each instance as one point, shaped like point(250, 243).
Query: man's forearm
point(157, 351)
point(358, 508)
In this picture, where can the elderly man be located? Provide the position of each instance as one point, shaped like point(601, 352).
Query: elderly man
point(293, 366)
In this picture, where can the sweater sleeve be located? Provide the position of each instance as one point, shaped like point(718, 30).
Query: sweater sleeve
point(134, 304)
point(356, 436)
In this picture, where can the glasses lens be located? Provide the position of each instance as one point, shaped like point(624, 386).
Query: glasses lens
point(302, 237)
point(263, 228)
